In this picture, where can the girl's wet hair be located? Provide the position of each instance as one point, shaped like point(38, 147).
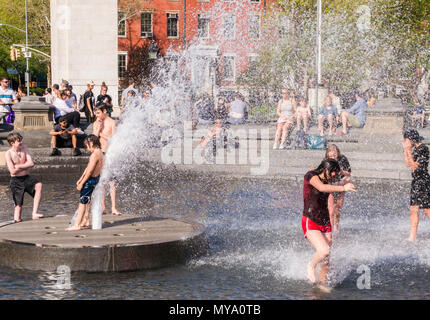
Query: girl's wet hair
point(94, 140)
point(330, 164)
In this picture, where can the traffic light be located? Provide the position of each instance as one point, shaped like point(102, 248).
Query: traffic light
point(13, 56)
point(18, 53)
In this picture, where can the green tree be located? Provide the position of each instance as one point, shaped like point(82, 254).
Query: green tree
point(13, 13)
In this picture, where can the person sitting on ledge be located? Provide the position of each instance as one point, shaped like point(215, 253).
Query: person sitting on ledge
point(63, 135)
point(88, 181)
point(62, 109)
point(238, 110)
point(354, 116)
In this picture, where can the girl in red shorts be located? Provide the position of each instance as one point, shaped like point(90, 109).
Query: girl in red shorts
point(316, 219)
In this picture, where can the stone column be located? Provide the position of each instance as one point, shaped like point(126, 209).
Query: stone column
point(84, 44)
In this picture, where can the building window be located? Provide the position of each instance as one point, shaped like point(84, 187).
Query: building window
point(229, 22)
point(203, 26)
point(229, 68)
point(122, 64)
point(121, 24)
point(254, 26)
point(255, 1)
point(146, 25)
point(172, 25)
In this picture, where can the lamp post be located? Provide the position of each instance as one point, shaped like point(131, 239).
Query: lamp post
point(318, 55)
point(27, 53)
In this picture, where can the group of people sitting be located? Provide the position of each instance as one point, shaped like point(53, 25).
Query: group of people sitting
point(291, 112)
point(230, 110)
point(67, 113)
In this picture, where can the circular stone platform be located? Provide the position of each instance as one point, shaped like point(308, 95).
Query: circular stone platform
point(125, 243)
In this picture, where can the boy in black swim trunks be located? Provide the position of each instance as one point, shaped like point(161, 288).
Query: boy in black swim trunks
point(88, 181)
point(19, 161)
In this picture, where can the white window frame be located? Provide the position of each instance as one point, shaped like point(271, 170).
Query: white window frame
point(234, 28)
point(177, 24)
point(204, 16)
point(125, 27)
point(147, 34)
point(233, 56)
point(123, 53)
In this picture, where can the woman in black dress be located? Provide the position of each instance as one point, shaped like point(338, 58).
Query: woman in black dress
point(418, 160)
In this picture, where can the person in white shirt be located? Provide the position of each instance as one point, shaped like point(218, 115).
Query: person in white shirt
point(49, 98)
point(7, 98)
point(62, 109)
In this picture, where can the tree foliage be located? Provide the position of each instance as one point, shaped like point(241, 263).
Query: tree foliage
point(13, 13)
point(365, 44)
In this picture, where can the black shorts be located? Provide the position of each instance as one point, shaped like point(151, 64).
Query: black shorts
point(20, 185)
point(420, 193)
point(64, 143)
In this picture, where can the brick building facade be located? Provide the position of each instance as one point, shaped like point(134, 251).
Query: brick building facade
point(220, 34)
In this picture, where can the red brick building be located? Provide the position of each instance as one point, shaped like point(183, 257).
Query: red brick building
point(224, 33)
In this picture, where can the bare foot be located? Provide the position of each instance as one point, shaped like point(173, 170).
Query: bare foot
point(324, 288)
point(16, 221)
point(73, 228)
point(37, 216)
point(104, 212)
point(412, 239)
point(85, 223)
point(116, 213)
point(311, 273)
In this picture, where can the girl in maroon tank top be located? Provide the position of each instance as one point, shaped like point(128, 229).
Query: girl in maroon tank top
point(316, 219)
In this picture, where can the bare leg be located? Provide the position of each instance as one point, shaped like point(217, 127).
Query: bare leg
point(344, 121)
point(305, 122)
point(299, 122)
point(54, 142)
point(414, 223)
point(325, 265)
point(86, 219)
point(81, 212)
point(284, 132)
point(36, 201)
point(322, 247)
point(113, 199)
point(278, 132)
point(17, 214)
point(321, 124)
point(104, 201)
point(74, 141)
point(330, 123)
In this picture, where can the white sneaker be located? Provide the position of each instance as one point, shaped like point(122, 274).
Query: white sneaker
point(275, 146)
point(80, 131)
point(282, 146)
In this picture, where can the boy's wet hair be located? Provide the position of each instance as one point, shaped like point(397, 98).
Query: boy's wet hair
point(13, 137)
point(100, 106)
point(94, 140)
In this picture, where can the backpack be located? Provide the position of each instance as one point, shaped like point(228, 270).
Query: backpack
point(301, 140)
point(317, 143)
point(81, 105)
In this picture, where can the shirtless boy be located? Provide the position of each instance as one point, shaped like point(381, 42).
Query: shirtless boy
point(19, 161)
point(104, 128)
point(88, 181)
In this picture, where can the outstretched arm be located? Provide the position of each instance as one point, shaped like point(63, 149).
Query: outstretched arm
point(328, 188)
